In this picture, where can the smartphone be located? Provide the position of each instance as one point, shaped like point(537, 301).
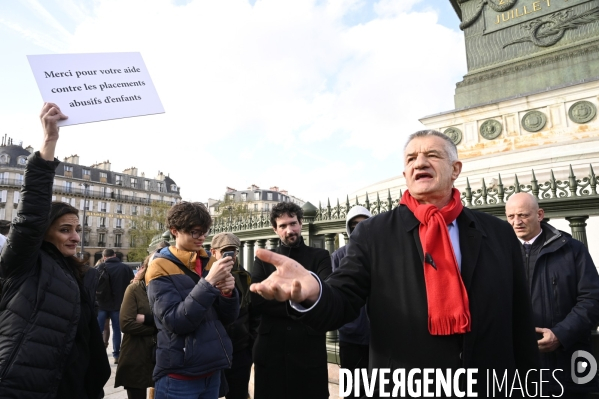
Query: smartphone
point(229, 253)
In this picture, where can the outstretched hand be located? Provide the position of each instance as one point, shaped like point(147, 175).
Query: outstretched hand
point(289, 282)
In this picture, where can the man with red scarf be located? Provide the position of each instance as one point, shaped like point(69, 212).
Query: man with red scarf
point(444, 284)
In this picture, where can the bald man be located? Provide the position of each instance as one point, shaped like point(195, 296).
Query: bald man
point(564, 289)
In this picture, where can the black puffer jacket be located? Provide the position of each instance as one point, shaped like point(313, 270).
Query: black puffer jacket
point(40, 304)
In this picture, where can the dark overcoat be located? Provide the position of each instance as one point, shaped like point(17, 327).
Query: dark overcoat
point(384, 267)
point(290, 358)
point(136, 361)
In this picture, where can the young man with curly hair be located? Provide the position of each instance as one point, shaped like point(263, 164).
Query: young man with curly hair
point(192, 297)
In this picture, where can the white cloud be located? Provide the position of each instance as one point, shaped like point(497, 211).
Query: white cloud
point(278, 80)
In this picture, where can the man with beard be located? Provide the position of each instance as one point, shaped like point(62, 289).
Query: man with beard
point(290, 359)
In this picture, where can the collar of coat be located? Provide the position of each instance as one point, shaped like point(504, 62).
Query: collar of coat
point(188, 258)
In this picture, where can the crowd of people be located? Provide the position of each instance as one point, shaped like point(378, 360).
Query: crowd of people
point(430, 284)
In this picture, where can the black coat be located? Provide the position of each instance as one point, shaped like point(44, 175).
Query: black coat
point(565, 298)
point(290, 359)
point(120, 278)
point(41, 304)
point(384, 265)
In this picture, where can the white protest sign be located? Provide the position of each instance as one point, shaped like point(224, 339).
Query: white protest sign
point(96, 87)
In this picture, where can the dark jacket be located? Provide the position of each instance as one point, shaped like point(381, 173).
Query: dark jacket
point(41, 302)
point(120, 278)
point(192, 340)
point(243, 330)
point(290, 359)
point(356, 331)
point(136, 360)
point(384, 266)
point(565, 298)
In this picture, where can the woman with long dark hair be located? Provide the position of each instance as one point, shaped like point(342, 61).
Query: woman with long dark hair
point(50, 343)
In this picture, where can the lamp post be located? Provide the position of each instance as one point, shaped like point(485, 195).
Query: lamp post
point(86, 186)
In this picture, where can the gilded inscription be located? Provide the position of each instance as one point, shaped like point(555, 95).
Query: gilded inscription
point(523, 11)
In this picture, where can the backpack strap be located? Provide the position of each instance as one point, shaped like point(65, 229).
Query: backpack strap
point(177, 262)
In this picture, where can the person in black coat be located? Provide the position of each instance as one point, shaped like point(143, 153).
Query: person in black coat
point(121, 276)
point(444, 284)
point(564, 289)
point(50, 343)
point(290, 358)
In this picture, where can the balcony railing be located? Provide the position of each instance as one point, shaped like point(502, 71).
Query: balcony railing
point(118, 244)
point(101, 244)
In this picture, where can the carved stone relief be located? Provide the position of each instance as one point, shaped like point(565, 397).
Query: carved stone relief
point(491, 129)
point(454, 134)
point(582, 112)
point(533, 121)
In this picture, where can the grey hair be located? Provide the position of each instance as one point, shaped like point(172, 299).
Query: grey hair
point(450, 147)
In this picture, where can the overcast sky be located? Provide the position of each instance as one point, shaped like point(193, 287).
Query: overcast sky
point(313, 96)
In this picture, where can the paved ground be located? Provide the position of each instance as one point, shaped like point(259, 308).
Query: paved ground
point(110, 392)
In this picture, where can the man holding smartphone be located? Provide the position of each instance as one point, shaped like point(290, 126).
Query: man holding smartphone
point(193, 297)
point(243, 330)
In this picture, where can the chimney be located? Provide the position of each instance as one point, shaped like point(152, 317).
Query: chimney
point(253, 187)
point(274, 188)
point(284, 192)
point(74, 159)
point(29, 148)
point(132, 171)
point(102, 165)
point(230, 190)
point(160, 176)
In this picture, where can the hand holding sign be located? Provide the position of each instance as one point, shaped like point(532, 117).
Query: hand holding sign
point(96, 87)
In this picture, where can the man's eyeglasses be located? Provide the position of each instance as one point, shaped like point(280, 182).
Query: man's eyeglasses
point(197, 233)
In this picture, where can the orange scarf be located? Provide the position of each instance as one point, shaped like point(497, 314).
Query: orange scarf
point(448, 308)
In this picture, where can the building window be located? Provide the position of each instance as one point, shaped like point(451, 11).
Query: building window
point(255, 207)
point(160, 226)
point(134, 210)
point(68, 186)
point(86, 174)
point(266, 207)
point(174, 187)
point(19, 178)
point(102, 221)
point(101, 239)
point(86, 222)
point(87, 205)
point(119, 223)
point(16, 197)
point(102, 206)
point(148, 211)
point(119, 208)
point(103, 177)
point(160, 187)
point(269, 196)
point(119, 180)
point(22, 161)
point(4, 158)
point(134, 182)
point(103, 192)
point(68, 171)
point(147, 185)
point(256, 196)
point(244, 197)
point(117, 240)
point(232, 197)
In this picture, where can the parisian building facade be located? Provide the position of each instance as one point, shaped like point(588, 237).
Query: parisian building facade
point(110, 200)
point(253, 199)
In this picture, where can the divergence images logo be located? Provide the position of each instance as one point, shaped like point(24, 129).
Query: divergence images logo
point(581, 367)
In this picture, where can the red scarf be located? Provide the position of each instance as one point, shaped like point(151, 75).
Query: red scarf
point(448, 308)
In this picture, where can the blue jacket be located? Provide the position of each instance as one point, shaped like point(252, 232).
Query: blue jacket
point(565, 298)
point(190, 317)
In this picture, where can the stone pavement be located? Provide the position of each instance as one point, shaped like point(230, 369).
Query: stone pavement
point(110, 392)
